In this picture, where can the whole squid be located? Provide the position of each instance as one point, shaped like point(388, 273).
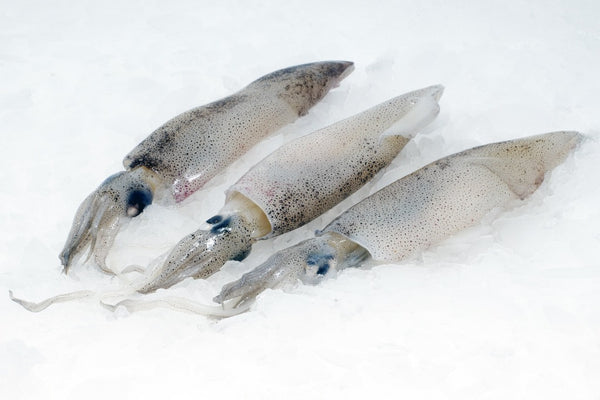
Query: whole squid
point(297, 183)
point(412, 213)
point(190, 149)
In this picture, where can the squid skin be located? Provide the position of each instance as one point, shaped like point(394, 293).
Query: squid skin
point(193, 147)
point(297, 183)
point(414, 212)
point(190, 149)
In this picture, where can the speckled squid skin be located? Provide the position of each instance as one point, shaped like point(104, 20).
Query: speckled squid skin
point(297, 183)
point(190, 149)
point(450, 194)
point(412, 213)
point(193, 147)
point(308, 176)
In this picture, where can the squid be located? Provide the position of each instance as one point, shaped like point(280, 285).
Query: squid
point(411, 214)
point(290, 187)
point(297, 183)
point(182, 155)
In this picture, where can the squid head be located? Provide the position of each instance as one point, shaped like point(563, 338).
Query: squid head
point(123, 195)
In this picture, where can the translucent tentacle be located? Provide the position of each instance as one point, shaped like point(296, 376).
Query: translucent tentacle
point(42, 305)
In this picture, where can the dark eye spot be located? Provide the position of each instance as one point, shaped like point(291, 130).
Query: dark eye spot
point(214, 220)
point(137, 200)
point(221, 226)
point(323, 268)
point(321, 261)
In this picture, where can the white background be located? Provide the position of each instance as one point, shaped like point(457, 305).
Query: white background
point(507, 309)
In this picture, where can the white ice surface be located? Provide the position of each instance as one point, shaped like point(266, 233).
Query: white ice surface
point(508, 309)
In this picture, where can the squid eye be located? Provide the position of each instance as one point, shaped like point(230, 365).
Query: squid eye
point(323, 268)
point(214, 220)
point(137, 200)
point(319, 264)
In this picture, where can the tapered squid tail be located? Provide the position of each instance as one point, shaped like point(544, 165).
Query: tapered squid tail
point(204, 252)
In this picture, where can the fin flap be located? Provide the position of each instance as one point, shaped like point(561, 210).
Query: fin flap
point(521, 182)
point(424, 111)
point(522, 163)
